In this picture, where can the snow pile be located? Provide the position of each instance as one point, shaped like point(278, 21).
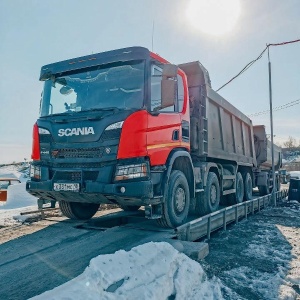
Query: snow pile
point(18, 171)
point(149, 271)
point(10, 217)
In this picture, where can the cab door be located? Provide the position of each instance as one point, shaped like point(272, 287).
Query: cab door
point(164, 125)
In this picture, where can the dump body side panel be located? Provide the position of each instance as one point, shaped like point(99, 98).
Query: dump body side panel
point(218, 129)
point(263, 149)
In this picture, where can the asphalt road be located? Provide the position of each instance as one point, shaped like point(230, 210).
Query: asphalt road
point(35, 263)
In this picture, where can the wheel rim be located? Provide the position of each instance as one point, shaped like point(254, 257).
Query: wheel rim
point(180, 199)
point(213, 194)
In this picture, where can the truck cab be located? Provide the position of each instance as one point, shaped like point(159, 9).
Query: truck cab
point(108, 128)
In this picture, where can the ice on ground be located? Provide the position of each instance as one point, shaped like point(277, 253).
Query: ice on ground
point(149, 271)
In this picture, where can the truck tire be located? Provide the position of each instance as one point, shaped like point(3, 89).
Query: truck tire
point(263, 190)
point(77, 210)
point(177, 201)
point(130, 207)
point(210, 200)
point(239, 191)
point(248, 187)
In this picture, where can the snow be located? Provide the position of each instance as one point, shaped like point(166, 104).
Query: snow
point(149, 271)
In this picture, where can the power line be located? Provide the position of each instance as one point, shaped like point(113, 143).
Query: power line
point(255, 60)
point(283, 106)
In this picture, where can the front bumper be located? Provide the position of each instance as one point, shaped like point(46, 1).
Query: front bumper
point(129, 193)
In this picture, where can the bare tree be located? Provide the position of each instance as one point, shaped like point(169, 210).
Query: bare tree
point(290, 143)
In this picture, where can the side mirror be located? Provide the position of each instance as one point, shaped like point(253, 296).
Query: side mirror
point(168, 92)
point(168, 85)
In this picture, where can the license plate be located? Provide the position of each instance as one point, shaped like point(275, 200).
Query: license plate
point(72, 187)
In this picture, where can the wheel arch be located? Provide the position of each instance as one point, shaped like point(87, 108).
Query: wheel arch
point(212, 167)
point(182, 161)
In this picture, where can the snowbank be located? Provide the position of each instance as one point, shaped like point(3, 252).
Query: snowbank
point(149, 271)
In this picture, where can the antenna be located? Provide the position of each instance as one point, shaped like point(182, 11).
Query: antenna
point(152, 34)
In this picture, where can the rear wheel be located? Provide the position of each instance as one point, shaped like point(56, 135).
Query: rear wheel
point(130, 207)
point(77, 210)
point(263, 190)
point(177, 201)
point(248, 188)
point(209, 201)
point(239, 190)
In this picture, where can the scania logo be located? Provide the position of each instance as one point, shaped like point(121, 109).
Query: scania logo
point(76, 131)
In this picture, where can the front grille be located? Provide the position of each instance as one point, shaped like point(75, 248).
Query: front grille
point(75, 175)
point(78, 153)
point(69, 176)
point(77, 165)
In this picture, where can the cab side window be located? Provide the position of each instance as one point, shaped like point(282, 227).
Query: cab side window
point(180, 92)
point(156, 76)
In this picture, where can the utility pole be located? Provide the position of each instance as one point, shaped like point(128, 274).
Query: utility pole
point(273, 196)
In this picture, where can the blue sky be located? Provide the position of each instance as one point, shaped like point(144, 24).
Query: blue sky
point(35, 33)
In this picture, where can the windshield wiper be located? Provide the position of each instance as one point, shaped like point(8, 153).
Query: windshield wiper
point(114, 108)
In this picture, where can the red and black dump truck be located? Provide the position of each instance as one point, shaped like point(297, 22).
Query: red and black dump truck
point(127, 127)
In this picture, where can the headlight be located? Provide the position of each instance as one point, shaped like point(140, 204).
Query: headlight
point(35, 172)
point(43, 131)
point(124, 172)
point(115, 126)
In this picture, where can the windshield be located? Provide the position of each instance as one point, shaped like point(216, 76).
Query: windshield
point(118, 85)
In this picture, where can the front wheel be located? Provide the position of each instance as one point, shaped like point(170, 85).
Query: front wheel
point(77, 210)
point(177, 201)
